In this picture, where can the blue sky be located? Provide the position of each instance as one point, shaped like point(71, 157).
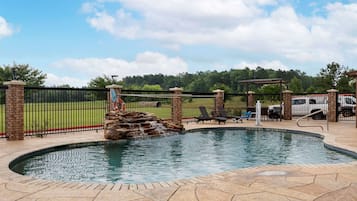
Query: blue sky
point(73, 41)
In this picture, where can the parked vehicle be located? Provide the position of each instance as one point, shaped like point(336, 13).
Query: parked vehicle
point(275, 112)
point(306, 105)
point(347, 104)
point(303, 105)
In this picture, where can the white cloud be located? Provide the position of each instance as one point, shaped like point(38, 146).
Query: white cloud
point(239, 24)
point(144, 63)
point(54, 80)
point(5, 29)
point(276, 65)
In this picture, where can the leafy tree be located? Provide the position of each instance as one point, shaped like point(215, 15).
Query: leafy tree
point(344, 84)
point(296, 85)
point(101, 82)
point(221, 86)
point(205, 81)
point(199, 85)
point(32, 77)
point(330, 76)
point(269, 89)
point(152, 87)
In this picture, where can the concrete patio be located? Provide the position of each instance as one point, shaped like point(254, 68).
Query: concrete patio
point(283, 182)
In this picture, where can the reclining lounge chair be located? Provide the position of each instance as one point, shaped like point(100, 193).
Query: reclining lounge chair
point(247, 115)
point(221, 115)
point(204, 115)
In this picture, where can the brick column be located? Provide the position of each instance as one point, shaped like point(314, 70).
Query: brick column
point(332, 105)
point(219, 100)
point(251, 99)
point(354, 74)
point(176, 106)
point(112, 104)
point(14, 118)
point(287, 96)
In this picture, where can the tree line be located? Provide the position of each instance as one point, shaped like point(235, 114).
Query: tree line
point(333, 75)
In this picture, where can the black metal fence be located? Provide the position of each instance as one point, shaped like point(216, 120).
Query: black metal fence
point(237, 104)
point(347, 107)
point(55, 110)
point(155, 102)
point(192, 100)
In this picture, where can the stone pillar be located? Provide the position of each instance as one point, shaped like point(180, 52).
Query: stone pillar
point(287, 98)
point(176, 106)
point(219, 100)
point(113, 101)
point(332, 105)
point(14, 118)
point(251, 99)
point(354, 74)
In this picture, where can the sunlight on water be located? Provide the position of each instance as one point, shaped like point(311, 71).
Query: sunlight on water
point(178, 156)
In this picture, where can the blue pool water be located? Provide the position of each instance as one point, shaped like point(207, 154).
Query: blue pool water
point(195, 153)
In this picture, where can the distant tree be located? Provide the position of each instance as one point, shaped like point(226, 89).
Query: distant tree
point(269, 89)
point(329, 76)
point(152, 87)
point(311, 89)
point(198, 85)
point(31, 76)
point(221, 86)
point(296, 85)
point(344, 84)
point(101, 82)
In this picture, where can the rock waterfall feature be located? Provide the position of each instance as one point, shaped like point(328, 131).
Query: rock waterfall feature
point(123, 125)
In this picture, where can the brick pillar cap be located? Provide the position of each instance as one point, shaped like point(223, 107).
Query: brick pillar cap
point(218, 91)
point(114, 86)
point(352, 74)
point(15, 82)
point(332, 91)
point(251, 92)
point(287, 91)
point(176, 89)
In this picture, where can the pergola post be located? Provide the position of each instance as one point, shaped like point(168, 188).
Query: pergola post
point(354, 75)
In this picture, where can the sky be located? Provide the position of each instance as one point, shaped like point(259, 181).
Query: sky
point(74, 41)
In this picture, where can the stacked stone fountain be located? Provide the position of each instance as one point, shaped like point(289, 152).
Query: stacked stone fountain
point(123, 125)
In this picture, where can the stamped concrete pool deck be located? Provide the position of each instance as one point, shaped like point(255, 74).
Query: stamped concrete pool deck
point(267, 183)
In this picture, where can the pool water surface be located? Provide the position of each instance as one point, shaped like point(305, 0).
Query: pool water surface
point(196, 153)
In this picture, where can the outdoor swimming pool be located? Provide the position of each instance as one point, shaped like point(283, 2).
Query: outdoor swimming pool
point(199, 152)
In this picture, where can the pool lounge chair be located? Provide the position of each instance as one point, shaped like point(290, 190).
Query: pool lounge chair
point(204, 115)
point(247, 115)
point(221, 115)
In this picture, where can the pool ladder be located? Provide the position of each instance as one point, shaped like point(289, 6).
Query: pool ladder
point(309, 115)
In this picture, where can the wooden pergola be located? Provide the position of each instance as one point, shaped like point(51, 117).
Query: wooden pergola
point(279, 81)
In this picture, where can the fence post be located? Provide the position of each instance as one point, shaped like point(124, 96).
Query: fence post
point(219, 100)
point(113, 97)
point(332, 105)
point(176, 106)
point(287, 96)
point(14, 118)
point(354, 74)
point(251, 99)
